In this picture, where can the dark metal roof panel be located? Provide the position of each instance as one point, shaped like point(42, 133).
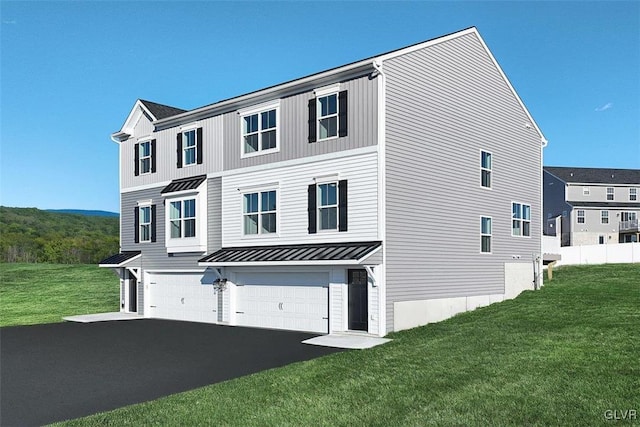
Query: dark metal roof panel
point(286, 253)
point(120, 258)
point(184, 184)
point(595, 175)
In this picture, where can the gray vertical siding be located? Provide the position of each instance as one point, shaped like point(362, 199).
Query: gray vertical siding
point(445, 104)
point(294, 128)
point(166, 156)
point(154, 254)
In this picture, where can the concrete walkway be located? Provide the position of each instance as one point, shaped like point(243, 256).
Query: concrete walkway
point(349, 341)
point(102, 317)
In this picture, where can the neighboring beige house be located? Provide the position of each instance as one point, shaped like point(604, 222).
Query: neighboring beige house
point(598, 206)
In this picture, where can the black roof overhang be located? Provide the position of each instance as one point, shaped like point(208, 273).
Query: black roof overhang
point(119, 259)
point(351, 253)
point(184, 184)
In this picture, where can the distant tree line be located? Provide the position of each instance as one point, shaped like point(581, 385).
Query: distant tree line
point(33, 235)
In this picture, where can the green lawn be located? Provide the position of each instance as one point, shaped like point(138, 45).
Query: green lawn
point(560, 356)
point(44, 293)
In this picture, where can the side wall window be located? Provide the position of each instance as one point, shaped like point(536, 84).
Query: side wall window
point(485, 169)
point(520, 220)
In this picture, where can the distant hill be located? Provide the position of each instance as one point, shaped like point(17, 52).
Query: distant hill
point(34, 235)
point(84, 212)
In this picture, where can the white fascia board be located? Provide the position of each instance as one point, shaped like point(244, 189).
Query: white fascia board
point(127, 128)
point(173, 271)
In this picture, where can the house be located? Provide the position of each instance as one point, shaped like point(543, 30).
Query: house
point(597, 205)
point(372, 197)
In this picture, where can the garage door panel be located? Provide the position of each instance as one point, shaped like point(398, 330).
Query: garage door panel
point(298, 302)
point(184, 296)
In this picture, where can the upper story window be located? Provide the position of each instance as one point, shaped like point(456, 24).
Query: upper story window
point(145, 157)
point(260, 129)
point(182, 218)
point(633, 194)
point(189, 147)
point(259, 212)
point(586, 191)
point(145, 223)
point(604, 217)
point(486, 168)
point(610, 192)
point(485, 234)
point(328, 114)
point(628, 216)
point(520, 219)
point(328, 206)
point(580, 216)
point(185, 214)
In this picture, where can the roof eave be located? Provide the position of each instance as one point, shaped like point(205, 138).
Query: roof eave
point(284, 89)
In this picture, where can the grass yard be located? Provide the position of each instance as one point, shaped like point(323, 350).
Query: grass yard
point(44, 293)
point(564, 355)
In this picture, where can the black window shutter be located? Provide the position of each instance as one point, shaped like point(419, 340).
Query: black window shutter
point(153, 223)
point(153, 155)
point(312, 120)
point(136, 225)
point(199, 146)
point(312, 208)
point(342, 205)
point(136, 159)
point(342, 113)
point(179, 150)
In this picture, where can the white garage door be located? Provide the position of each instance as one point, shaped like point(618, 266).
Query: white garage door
point(297, 302)
point(182, 296)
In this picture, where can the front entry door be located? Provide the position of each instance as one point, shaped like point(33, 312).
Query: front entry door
point(133, 295)
point(358, 310)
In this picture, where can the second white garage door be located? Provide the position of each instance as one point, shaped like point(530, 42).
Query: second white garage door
point(297, 302)
point(181, 296)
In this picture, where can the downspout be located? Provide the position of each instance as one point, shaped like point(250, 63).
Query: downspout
point(380, 281)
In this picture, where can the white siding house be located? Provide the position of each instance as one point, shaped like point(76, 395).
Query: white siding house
point(381, 195)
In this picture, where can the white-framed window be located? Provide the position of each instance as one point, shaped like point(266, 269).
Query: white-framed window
point(633, 194)
point(601, 240)
point(260, 132)
point(580, 216)
point(586, 191)
point(144, 156)
point(485, 234)
point(189, 151)
point(182, 218)
point(327, 116)
point(486, 169)
point(604, 217)
point(144, 218)
point(259, 212)
point(328, 206)
point(610, 192)
point(628, 216)
point(520, 219)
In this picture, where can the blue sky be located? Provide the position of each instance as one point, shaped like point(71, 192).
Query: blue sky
point(72, 71)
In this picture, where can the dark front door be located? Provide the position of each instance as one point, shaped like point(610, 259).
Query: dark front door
point(358, 311)
point(133, 295)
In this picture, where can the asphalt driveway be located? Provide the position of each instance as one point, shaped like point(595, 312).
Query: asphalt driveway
point(61, 371)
